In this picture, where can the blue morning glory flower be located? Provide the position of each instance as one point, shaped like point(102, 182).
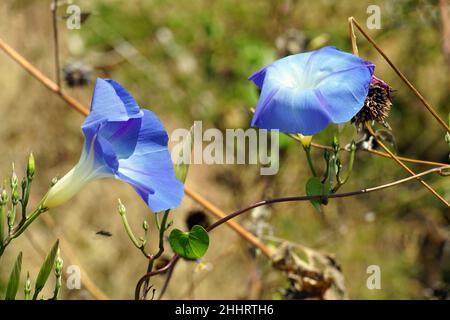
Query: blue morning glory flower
point(303, 93)
point(124, 142)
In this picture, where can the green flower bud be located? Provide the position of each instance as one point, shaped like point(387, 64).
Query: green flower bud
point(27, 289)
point(59, 263)
point(15, 197)
point(3, 197)
point(335, 144)
point(58, 273)
point(121, 208)
point(54, 181)
point(145, 225)
point(353, 146)
point(14, 180)
point(31, 167)
point(11, 218)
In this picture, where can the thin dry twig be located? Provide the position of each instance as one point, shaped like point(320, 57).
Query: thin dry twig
point(406, 168)
point(54, 9)
point(430, 109)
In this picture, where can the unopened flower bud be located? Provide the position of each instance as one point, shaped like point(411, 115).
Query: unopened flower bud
point(121, 208)
point(54, 181)
point(14, 180)
point(27, 289)
point(31, 167)
point(335, 144)
point(11, 218)
point(3, 197)
point(59, 263)
point(15, 197)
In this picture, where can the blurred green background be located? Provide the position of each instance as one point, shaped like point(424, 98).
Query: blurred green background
point(189, 60)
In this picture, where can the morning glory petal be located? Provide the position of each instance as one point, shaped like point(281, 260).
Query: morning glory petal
point(343, 81)
point(152, 136)
point(122, 135)
point(149, 170)
point(154, 181)
point(303, 93)
point(111, 102)
point(258, 77)
point(302, 110)
point(104, 150)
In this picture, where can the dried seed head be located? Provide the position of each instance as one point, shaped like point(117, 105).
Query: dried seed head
point(377, 105)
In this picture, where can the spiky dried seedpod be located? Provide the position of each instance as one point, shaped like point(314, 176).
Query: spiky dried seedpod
point(377, 105)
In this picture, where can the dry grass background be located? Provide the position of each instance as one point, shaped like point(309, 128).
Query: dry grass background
point(32, 119)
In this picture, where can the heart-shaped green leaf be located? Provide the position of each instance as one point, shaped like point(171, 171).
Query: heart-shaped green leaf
point(314, 187)
point(189, 245)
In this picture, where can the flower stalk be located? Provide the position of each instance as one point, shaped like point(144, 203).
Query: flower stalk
point(340, 181)
point(123, 214)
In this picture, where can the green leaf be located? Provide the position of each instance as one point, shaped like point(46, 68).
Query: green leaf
point(314, 187)
point(46, 269)
point(14, 279)
point(189, 245)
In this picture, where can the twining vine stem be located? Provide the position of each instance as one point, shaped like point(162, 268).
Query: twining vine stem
point(441, 170)
point(162, 229)
point(407, 169)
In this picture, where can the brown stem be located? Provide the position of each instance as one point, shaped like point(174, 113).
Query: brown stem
point(36, 73)
point(232, 224)
point(353, 21)
point(406, 168)
point(56, 42)
point(383, 154)
point(167, 280)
